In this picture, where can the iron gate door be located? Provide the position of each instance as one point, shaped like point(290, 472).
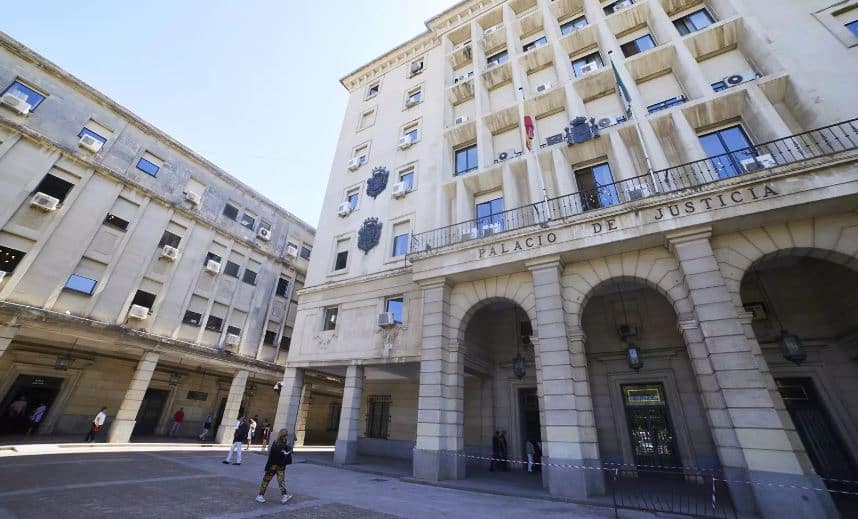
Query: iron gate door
point(653, 441)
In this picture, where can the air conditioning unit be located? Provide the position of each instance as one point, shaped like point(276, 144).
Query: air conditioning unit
point(554, 139)
point(416, 67)
point(90, 143)
point(44, 202)
point(742, 77)
point(138, 312)
point(625, 4)
point(355, 163)
point(213, 267)
point(386, 319)
point(506, 154)
point(605, 122)
point(405, 142)
point(544, 87)
point(170, 253)
point(461, 119)
point(232, 339)
point(3, 275)
point(469, 234)
point(400, 189)
point(489, 229)
point(492, 29)
point(639, 193)
point(344, 209)
point(292, 251)
point(589, 67)
point(264, 234)
point(17, 102)
point(759, 162)
point(193, 198)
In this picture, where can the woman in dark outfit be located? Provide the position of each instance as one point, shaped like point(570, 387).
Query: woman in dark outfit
point(279, 456)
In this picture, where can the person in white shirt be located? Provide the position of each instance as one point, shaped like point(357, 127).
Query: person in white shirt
point(36, 417)
point(97, 423)
point(251, 431)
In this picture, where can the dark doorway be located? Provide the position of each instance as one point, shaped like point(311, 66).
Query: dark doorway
point(528, 405)
point(35, 390)
point(821, 440)
point(150, 411)
point(219, 415)
point(650, 428)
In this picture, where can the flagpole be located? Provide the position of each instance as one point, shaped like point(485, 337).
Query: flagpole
point(627, 104)
point(547, 210)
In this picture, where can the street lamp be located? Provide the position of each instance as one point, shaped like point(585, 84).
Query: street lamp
point(633, 355)
point(519, 368)
point(791, 347)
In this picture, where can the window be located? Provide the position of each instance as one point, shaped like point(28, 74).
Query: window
point(411, 132)
point(270, 337)
point(9, 258)
point(596, 186)
point(248, 220)
point(170, 239)
point(853, 28)
point(497, 59)
point(230, 211)
point(353, 197)
point(192, 318)
point(535, 43)
point(414, 97)
point(395, 305)
point(407, 178)
point(211, 256)
point(334, 410)
point(142, 298)
point(22, 91)
point(571, 25)
point(366, 119)
point(87, 131)
point(465, 159)
point(341, 260)
point(214, 323)
point(373, 90)
point(362, 154)
point(305, 252)
point(490, 215)
point(667, 103)
point(249, 277)
point(54, 186)
point(78, 283)
point(638, 45)
point(285, 342)
point(116, 222)
point(147, 166)
point(727, 148)
point(720, 86)
point(693, 22)
point(378, 416)
point(401, 235)
point(329, 318)
point(231, 269)
point(617, 6)
point(282, 288)
point(234, 330)
point(587, 64)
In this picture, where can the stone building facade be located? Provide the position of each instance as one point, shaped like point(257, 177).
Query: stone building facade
point(135, 274)
point(667, 283)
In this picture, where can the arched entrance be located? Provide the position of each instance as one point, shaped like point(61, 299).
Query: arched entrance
point(501, 404)
point(805, 319)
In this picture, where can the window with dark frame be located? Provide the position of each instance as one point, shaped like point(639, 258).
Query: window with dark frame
point(170, 239)
point(265, 225)
point(571, 25)
point(853, 28)
point(378, 416)
point(411, 133)
point(407, 178)
point(579, 64)
point(415, 97)
point(142, 298)
point(490, 213)
point(373, 90)
point(341, 260)
point(329, 318)
point(231, 269)
point(87, 131)
point(535, 43)
point(22, 91)
point(353, 197)
point(305, 253)
point(282, 288)
point(285, 342)
point(270, 337)
point(54, 186)
point(248, 221)
point(214, 324)
point(81, 284)
point(230, 211)
point(395, 305)
point(211, 256)
point(234, 330)
point(727, 148)
point(613, 8)
point(10, 258)
point(334, 410)
point(596, 186)
point(116, 222)
point(465, 159)
point(638, 45)
point(693, 22)
point(148, 167)
point(400, 244)
point(249, 277)
point(497, 59)
point(192, 318)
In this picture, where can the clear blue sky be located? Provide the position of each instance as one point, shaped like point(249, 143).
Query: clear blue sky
point(184, 66)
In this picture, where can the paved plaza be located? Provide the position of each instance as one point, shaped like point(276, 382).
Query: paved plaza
point(134, 485)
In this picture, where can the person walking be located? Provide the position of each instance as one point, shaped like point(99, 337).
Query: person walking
point(504, 452)
point(279, 456)
point(177, 422)
point(251, 430)
point(496, 451)
point(36, 417)
point(96, 425)
point(531, 453)
point(207, 427)
point(266, 434)
point(237, 440)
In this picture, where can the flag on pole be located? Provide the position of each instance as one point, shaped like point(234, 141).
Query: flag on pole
point(621, 88)
point(530, 131)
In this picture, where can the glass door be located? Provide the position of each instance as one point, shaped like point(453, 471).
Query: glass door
point(650, 428)
point(727, 149)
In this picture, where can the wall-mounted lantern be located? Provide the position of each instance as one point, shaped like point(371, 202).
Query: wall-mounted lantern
point(633, 355)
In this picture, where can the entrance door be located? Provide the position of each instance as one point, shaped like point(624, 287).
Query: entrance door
point(150, 411)
point(528, 404)
point(821, 440)
point(651, 430)
point(25, 395)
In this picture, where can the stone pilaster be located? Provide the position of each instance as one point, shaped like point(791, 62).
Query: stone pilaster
point(347, 435)
point(303, 414)
point(440, 414)
point(289, 402)
point(230, 410)
point(750, 435)
point(7, 333)
point(122, 427)
point(567, 438)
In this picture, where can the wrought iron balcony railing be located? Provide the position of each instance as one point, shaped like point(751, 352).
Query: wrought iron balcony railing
point(811, 144)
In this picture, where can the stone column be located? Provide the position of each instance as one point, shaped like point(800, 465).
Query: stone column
point(122, 427)
point(440, 408)
point(567, 438)
point(347, 435)
point(303, 414)
point(750, 436)
point(230, 411)
point(289, 402)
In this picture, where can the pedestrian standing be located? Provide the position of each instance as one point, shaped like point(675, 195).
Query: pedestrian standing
point(177, 422)
point(237, 440)
point(17, 414)
point(266, 433)
point(503, 451)
point(496, 451)
point(279, 456)
point(531, 452)
point(36, 417)
point(96, 425)
point(251, 429)
point(207, 427)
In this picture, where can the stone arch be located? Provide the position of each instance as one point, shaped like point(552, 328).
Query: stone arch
point(467, 298)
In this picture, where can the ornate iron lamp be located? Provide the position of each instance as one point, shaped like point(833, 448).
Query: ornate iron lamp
point(633, 355)
point(791, 347)
point(175, 378)
point(63, 362)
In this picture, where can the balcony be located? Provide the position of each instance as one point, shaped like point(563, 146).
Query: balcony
point(813, 144)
